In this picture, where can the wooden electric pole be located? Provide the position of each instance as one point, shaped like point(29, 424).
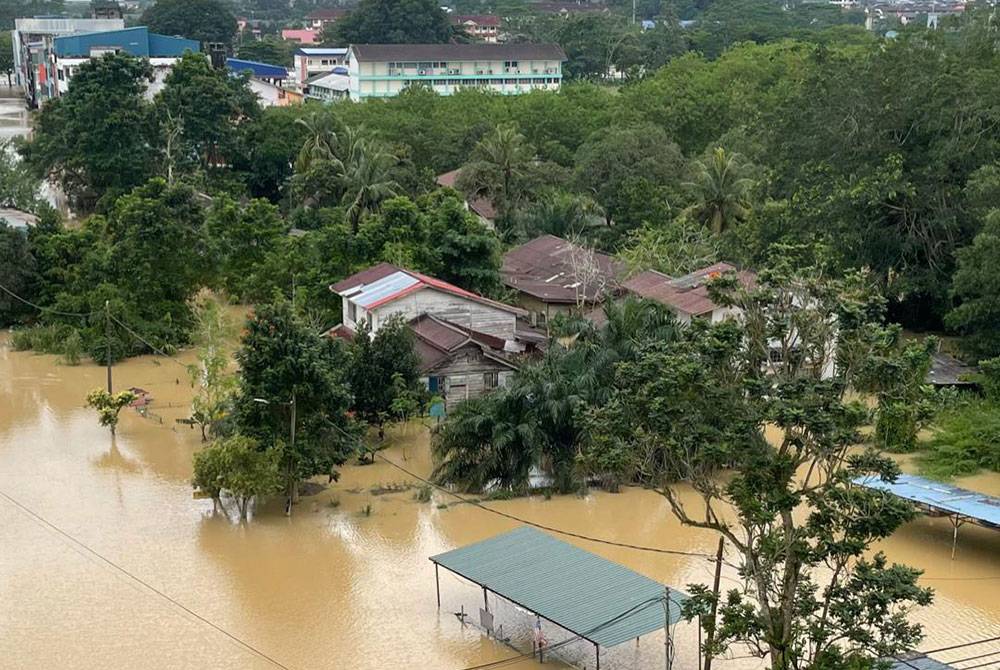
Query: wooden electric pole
point(710, 637)
point(107, 339)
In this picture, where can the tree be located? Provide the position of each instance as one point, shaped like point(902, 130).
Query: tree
point(109, 405)
point(689, 410)
point(96, 138)
point(243, 236)
point(202, 20)
point(290, 383)
point(499, 170)
point(383, 366)
point(209, 105)
point(18, 273)
point(674, 248)
point(607, 164)
point(236, 465)
point(367, 180)
point(19, 188)
point(392, 22)
point(720, 189)
point(210, 376)
point(272, 50)
point(976, 288)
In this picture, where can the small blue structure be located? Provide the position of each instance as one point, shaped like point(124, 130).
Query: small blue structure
point(138, 42)
point(935, 498)
point(258, 70)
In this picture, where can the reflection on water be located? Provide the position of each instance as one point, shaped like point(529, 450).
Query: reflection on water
point(329, 587)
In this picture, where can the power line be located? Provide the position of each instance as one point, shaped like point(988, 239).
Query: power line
point(44, 309)
point(142, 582)
point(146, 342)
point(963, 644)
point(974, 658)
point(559, 531)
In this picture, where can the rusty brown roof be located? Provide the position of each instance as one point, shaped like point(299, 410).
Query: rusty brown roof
point(687, 294)
point(481, 206)
point(543, 268)
point(437, 340)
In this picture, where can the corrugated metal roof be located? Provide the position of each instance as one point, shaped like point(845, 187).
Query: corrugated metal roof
point(918, 661)
point(567, 585)
point(263, 70)
point(383, 288)
point(952, 499)
point(544, 268)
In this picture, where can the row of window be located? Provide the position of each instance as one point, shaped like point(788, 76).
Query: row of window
point(491, 380)
point(483, 82)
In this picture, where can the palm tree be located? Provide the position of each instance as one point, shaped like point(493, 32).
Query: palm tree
point(499, 166)
point(720, 188)
point(561, 214)
point(367, 178)
point(322, 139)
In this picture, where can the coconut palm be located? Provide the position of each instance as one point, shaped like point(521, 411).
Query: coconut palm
point(367, 178)
point(721, 189)
point(322, 139)
point(499, 167)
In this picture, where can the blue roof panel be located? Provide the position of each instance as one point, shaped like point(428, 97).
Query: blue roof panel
point(137, 41)
point(262, 70)
point(948, 498)
point(569, 586)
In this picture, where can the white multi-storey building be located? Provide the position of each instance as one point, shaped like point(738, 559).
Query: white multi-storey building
point(385, 70)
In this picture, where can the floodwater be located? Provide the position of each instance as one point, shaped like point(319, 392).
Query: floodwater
point(330, 587)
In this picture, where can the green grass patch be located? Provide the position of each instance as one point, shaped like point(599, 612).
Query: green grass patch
point(966, 440)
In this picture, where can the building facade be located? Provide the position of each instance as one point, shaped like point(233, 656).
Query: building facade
point(386, 70)
point(33, 38)
point(162, 51)
point(482, 27)
point(311, 61)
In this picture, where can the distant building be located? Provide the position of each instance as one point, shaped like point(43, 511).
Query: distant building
point(267, 81)
point(464, 342)
point(34, 70)
point(106, 9)
point(162, 51)
point(18, 219)
point(329, 87)
point(322, 18)
point(567, 8)
point(481, 207)
point(309, 61)
point(687, 296)
point(483, 27)
point(554, 276)
point(385, 70)
point(305, 36)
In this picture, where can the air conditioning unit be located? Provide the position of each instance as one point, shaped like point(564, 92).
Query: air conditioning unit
point(479, 72)
point(489, 72)
point(421, 71)
point(534, 71)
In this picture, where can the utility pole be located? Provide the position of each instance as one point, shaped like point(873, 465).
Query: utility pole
point(633, 12)
point(710, 637)
point(291, 455)
point(107, 338)
point(666, 629)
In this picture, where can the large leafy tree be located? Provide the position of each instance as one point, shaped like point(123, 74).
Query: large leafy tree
point(977, 290)
point(237, 466)
point(208, 107)
point(758, 400)
point(242, 237)
point(17, 272)
point(97, 138)
point(500, 170)
point(201, 20)
point(392, 22)
point(720, 187)
point(291, 381)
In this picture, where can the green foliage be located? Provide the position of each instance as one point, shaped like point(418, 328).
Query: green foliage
point(976, 287)
point(206, 105)
point(720, 189)
point(201, 20)
point(539, 418)
point(210, 376)
point(989, 378)
point(108, 405)
point(392, 22)
point(698, 406)
point(291, 377)
point(238, 467)
point(966, 439)
point(388, 355)
point(96, 139)
point(674, 248)
point(243, 237)
point(19, 188)
point(272, 50)
point(17, 274)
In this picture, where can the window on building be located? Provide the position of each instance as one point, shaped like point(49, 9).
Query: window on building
point(491, 380)
point(352, 311)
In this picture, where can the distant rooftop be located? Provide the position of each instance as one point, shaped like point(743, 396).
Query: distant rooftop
point(136, 41)
point(321, 51)
point(687, 294)
point(259, 70)
point(544, 268)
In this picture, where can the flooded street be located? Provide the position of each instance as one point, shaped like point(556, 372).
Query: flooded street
point(331, 587)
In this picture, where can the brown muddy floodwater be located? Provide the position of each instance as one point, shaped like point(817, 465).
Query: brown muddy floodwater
point(330, 587)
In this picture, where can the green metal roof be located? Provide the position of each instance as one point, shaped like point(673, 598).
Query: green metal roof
point(567, 585)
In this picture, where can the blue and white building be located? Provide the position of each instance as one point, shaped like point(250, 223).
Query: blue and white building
point(71, 51)
point(386, 70)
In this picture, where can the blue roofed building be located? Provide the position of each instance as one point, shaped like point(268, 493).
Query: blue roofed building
point(69, 52)
point(267, 81)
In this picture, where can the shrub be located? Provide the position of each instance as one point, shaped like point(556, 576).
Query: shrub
point(966, 440)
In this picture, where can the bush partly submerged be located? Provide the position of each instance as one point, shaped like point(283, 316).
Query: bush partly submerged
point(966, 440)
